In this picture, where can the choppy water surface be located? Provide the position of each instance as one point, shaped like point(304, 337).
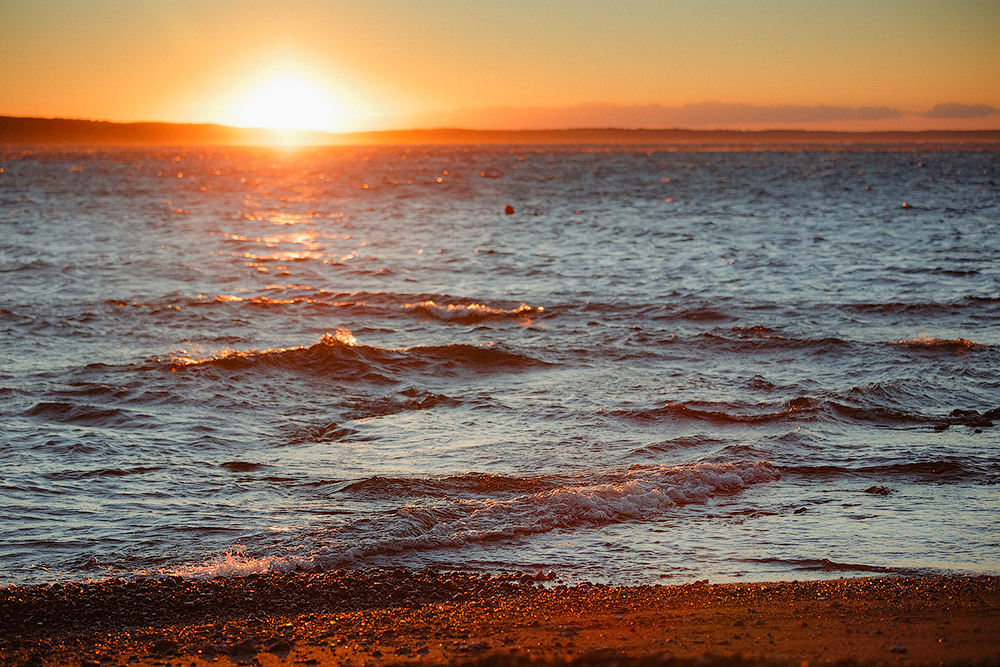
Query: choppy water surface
point(661, 367)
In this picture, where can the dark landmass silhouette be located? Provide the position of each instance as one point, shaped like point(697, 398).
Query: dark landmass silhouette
point(18, 131)
point(21, 131)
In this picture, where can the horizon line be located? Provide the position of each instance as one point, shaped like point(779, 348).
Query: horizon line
point(31, 130)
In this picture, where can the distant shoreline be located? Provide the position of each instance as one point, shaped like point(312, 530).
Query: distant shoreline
point(23, 131)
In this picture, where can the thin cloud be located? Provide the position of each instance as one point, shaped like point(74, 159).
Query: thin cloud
point(960, 111)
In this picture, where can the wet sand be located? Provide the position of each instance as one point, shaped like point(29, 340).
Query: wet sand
point(390, 617)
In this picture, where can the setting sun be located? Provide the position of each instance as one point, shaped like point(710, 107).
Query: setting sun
point(288, 101)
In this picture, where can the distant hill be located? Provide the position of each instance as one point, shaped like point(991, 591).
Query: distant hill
point(16, 131)
point(67, 132)
point(673, 137)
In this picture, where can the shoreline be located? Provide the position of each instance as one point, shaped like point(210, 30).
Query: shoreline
point(388, 617)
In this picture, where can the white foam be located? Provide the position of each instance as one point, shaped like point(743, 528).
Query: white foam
point(233, 563)
point(462, 312)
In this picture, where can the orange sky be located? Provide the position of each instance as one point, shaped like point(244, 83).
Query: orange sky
point(334, 65)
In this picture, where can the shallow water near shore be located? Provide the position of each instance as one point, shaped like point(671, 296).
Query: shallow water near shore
point(660, 367)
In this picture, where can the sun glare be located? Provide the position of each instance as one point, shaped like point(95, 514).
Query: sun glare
point(288, 101)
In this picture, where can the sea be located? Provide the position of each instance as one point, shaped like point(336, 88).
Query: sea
point(620, 365)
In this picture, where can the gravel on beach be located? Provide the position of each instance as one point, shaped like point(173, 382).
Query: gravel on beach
point(395, 616)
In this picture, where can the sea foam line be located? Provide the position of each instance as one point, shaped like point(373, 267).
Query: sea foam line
point(639, 493)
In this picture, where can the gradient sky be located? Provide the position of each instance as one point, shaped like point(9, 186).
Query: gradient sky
point(872, 64)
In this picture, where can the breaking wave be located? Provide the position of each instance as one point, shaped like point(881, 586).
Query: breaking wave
point(640, 493)
point(476, 508)
point(472, 313)
point(341, 356)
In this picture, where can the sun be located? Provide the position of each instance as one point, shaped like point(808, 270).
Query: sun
point(288, 100)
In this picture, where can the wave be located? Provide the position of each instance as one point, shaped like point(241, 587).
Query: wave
point(803, 408)
point(472, 313)
point(68, 475)
point(760, 339)
point(242, 466)
point(344, 358)
point(823, 565)
point(366, 408)
point(234, 563)
point(956, 346)
point(934, 271)
point(470, 483)
point(676, 444)
point(797, 409)
point(697, 314)
point(408, 399)
point(11, 317)
point(292, 295)
point(637, 494)
point(384, 304)
point(87, 415)
point(929, 309)
point(35, 265)
point(755, 340)
point(633, 312)
point(940, 470)
point(889, 416)
point(463, 510)
point(331, 432)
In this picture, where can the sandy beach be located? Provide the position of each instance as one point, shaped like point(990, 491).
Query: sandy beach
point(389, 617)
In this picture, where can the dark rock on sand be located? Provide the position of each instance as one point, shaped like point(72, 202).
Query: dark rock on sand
point(280, 648)
point(244, 650)
point(164, 647)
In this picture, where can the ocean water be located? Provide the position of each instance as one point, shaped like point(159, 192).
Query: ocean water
point(661, 367)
